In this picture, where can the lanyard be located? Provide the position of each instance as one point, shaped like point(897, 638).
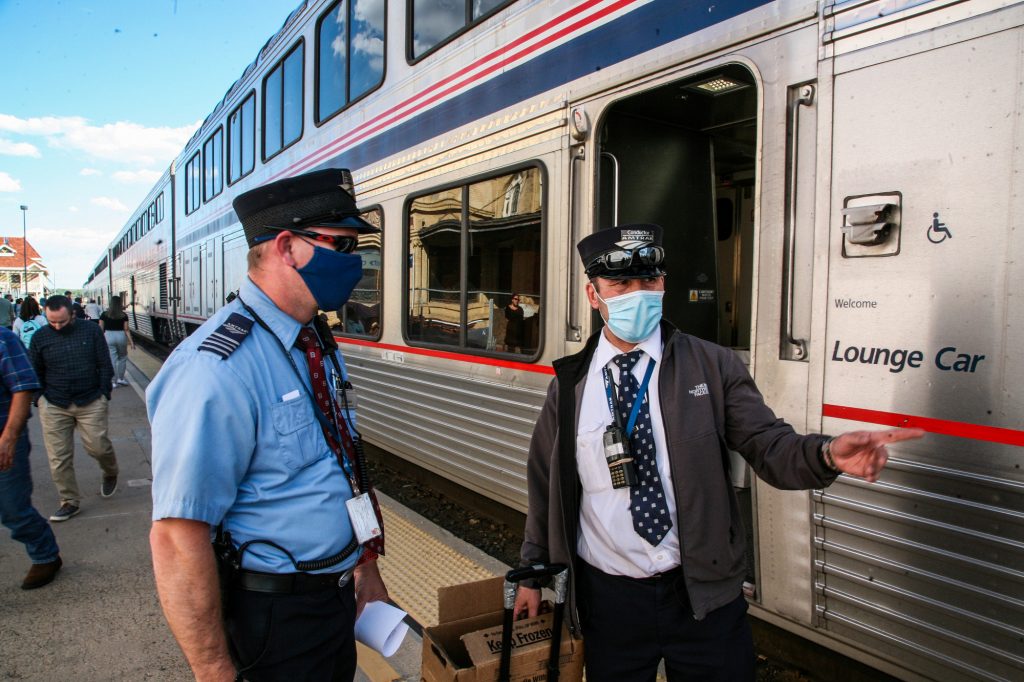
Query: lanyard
point(613, 402)
point(329, 426)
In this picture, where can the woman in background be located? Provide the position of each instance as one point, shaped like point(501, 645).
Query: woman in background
point(114, 324)
point(30, 318)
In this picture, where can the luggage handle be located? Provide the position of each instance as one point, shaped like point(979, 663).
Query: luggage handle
point(512, 580)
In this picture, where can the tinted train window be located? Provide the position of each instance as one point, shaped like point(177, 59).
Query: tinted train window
point(350, 54)
point(434, 22)
point(160, 207)
point(213, 162)
point(193, 183)
point(242, 139)
point(360, 316)
point(488, 299)
point(282, 103)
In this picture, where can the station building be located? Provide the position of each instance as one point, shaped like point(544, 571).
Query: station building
point(17, 259)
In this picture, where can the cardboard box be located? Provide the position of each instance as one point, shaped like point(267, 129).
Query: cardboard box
point(472, 614)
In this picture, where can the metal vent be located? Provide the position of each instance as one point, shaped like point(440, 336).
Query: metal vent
point(163, 286)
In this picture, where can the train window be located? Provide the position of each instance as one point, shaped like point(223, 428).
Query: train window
point(474, 254)
point(282, 103)
point(435, 22)
point(160, 207)
point(242, 139)
point(193, 184)
point(213, 164)
point(360, 315)
point(350, 54)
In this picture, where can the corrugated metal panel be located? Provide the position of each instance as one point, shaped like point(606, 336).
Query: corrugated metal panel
point(927, 568)
point(473, 431)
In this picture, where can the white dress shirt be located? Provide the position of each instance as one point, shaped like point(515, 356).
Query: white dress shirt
point(607, 539)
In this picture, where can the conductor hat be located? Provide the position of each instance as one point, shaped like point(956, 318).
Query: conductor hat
point(322, 198)
point(623, 252)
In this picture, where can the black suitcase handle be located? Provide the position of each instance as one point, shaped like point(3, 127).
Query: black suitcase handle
point(561, 587)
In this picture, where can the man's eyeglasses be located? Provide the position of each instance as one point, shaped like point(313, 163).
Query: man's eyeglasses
point(339, 243)
point(622, 259)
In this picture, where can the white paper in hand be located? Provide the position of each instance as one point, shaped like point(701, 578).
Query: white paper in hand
point(381, 628)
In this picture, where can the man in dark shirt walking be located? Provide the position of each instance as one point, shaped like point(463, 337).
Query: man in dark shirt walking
point(73, 364)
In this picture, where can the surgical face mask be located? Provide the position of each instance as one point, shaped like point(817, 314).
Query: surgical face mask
point(633, 316)
point(331, 276)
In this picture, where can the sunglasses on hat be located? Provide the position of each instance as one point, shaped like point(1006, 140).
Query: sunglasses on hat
point(623, 259)
point(339, 243)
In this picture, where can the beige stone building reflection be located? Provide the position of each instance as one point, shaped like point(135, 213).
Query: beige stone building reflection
point(472, 247)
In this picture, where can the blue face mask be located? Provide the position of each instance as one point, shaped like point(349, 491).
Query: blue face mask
point(632, 317)
point(331, 276)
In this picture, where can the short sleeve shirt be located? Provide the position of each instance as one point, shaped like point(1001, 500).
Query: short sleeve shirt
point(236, 442)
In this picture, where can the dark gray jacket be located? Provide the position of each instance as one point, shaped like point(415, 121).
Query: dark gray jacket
point(699, 430)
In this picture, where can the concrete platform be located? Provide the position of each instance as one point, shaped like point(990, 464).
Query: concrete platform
point(100, 619)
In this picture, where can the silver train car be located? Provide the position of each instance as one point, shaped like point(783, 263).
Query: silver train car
point(822, 219)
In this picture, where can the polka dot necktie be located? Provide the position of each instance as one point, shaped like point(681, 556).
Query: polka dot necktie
point(651, 519)
point(310, 346)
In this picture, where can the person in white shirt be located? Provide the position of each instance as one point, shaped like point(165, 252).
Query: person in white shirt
point(93, 310)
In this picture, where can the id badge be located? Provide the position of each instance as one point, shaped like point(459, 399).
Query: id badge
point(364, 521)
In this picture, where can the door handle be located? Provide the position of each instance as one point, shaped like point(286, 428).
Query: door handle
point(804, 99)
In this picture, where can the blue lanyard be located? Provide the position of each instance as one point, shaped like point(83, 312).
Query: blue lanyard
point(639, 396)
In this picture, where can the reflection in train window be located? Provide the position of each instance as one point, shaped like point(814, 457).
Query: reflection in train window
point(434, 22)
point(282, 103)
point(213, 162)
point(474, 265)
point(242, 139)
point(193, 183)
point(360, 316)
point(350, 54)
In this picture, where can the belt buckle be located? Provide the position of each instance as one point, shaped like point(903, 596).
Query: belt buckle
point(345, 577)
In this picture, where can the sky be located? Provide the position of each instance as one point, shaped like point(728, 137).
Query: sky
point(97, 98)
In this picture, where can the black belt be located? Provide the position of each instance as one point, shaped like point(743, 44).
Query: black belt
point(670, 574)
point(290, 583)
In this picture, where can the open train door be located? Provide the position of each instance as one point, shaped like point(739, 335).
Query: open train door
point(723, 155)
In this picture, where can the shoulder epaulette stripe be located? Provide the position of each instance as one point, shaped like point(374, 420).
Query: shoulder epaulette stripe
point(226, 339)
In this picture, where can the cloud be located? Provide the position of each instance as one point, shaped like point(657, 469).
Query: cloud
point(90, 171)
point(72, 209)
point(109, 202)
point(8, 184)
point(122, 141)
point(142, 176)
point(18, 148)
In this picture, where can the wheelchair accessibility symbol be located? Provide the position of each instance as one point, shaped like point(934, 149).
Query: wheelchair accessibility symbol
point(938, 232)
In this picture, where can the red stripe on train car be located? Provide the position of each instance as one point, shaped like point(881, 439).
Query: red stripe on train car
point(447, 355)
point(993, 434)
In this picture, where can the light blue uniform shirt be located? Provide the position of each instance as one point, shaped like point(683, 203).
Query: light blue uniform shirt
point(236, 440)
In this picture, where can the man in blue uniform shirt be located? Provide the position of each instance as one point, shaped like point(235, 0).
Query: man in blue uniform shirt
point(252, 436)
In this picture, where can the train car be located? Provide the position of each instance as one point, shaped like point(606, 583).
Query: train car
point(821, 219)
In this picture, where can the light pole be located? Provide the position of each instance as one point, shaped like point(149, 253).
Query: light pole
point(24, 251)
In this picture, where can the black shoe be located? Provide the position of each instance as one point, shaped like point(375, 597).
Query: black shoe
point(109, 486)
point(41, 574)
point(66, 511)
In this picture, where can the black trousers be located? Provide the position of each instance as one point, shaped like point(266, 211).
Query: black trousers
point(293, 636)
point(630, 625)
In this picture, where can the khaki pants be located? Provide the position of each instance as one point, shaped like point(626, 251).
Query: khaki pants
point(59, 436)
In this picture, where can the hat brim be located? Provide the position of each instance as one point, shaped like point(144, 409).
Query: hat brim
point(361, 226)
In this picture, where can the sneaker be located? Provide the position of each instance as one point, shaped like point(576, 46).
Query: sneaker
point(41, 574)
point(66, 511)
point(109, 486)
point(122, 382)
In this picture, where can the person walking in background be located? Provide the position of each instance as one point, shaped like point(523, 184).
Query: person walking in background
point(18, 383)
point(93, 310)
point(6, 311)
point(17, 307)
point(73, 365)
point(114, 324)
point(77, 308)
point(30, 320)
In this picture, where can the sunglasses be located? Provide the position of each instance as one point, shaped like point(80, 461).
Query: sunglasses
point(622, 259)
point(339, 243)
